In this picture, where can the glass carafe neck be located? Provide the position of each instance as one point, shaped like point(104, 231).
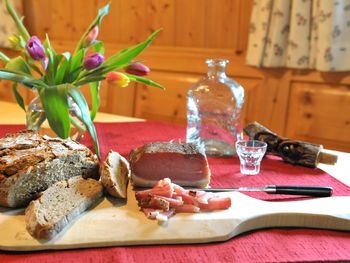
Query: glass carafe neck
point(216, 68)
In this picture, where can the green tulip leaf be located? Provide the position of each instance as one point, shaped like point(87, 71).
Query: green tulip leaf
point(32, 65)
point(75, 66)
point(18, 64)
point(21, 28)
point(54, 101)
point(144, 80)
point(67, 55)
point(4, 58)
point(20, 77)
point(123, 57)
point(61, 72)
point(79, 99)
point(88, 80)
point(95, 98)
point(18, 96)
point(97, 46)
point(97, 21)
point(101, 13)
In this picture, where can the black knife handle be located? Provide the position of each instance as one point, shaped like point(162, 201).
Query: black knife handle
point(316, 191)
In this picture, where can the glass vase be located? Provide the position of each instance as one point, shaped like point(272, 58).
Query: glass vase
point(214, 105)
point(36, 119)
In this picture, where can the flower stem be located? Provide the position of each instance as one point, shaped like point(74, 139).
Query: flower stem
point(77, 124)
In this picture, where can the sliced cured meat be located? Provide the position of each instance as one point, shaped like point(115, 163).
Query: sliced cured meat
point(185, 164)
point(216, 203)
point(175, 198)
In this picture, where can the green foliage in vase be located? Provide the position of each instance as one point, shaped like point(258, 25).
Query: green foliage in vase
point(58, 77)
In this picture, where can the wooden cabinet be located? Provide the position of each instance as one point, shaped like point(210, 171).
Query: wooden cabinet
point(320, 113)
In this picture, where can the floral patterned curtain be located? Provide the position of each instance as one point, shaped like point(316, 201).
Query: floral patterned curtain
point(7, 26)
point(304, 34)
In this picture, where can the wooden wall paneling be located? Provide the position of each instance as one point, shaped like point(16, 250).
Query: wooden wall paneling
point(112, 29)
point(245, 11)
point(161, 14)
point(168, 105)
point(82, 14)
point(190, 17)
point(136, 20)
point(118, 100)
point(37, 15)
point(272, 100)
point(61, 20)
point(320, 113)
point(6, 91)
point(221, 24)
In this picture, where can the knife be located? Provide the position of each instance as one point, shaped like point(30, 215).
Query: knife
point(315, 191)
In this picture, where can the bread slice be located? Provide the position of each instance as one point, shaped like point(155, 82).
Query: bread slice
point(60, 204)
point(115, 174)
point(30, 163)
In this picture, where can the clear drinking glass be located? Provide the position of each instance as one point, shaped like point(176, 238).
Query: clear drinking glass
point(250, 153)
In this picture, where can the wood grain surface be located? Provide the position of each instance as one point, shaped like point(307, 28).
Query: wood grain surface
point(117, 223)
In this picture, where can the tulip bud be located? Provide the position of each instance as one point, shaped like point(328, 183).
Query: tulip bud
point(93, 61)
point(35, 48)
point(91, 36)
point(137, 69)
point(15, 42)
point(118, 78)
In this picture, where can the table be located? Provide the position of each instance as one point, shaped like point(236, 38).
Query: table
point(204, 253)
point(11, 113)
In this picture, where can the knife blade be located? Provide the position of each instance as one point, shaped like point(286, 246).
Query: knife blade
point(315, 191)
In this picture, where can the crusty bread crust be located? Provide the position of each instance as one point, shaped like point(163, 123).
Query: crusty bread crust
point(58, 205)
point(115, 174)
point(30, 163)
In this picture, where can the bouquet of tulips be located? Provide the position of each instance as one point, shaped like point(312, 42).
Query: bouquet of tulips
point(57, 77)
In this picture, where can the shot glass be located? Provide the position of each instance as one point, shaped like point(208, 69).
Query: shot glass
point(250, 153)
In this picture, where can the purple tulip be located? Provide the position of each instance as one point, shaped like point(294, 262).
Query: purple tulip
point(35, 48)
point(93, 61)
point(137, 69)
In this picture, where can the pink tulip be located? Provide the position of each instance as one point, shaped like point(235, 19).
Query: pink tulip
point(92, 35)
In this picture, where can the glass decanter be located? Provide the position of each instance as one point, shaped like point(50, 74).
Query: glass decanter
point(213, 111)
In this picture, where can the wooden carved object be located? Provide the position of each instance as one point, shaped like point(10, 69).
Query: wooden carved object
point(291, 151)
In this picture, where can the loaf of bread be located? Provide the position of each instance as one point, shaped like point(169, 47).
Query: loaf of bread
point(58, 205)
point(115, 174)
point(30, 163)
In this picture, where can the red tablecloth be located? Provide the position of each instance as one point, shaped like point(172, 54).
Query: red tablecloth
point(270, 245)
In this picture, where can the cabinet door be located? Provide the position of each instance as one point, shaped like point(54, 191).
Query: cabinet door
point(320, 113)
point(166, 105)
point(250, 86)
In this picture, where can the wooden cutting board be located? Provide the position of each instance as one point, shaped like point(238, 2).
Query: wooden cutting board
point(117, 223)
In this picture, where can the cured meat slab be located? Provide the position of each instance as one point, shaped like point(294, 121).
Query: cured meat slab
point(117, 223)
